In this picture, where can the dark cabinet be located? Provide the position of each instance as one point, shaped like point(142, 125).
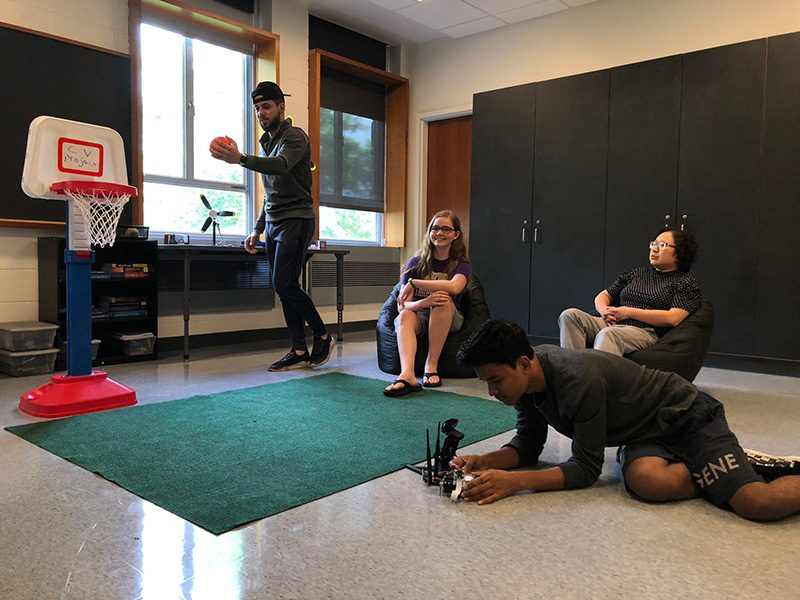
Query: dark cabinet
point(125, 274)
point(643, 134)
point(502, 188)
point(706, 141)
point(777, 312)
point(569, 189)
point(722, 105)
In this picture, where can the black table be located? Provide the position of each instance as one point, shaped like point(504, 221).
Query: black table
point(190, 251)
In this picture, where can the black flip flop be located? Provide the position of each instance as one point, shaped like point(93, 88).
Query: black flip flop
point(432, 385)
point(402, 391)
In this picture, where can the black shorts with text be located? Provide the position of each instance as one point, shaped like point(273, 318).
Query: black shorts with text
point(702, 440)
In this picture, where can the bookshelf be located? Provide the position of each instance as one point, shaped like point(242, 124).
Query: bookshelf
point(124, 296)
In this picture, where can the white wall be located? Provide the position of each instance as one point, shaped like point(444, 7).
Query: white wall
point(290, 21)
point(19, 272)
point(102, 23)
point(446, 73)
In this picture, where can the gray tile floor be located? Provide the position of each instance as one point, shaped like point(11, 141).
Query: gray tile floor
point(66, 533)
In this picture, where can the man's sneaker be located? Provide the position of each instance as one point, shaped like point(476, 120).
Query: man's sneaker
point(772, 467)
point(322, 350)
point(292, 360)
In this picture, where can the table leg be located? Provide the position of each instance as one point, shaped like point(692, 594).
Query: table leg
point(187, 265)
point(339, 295)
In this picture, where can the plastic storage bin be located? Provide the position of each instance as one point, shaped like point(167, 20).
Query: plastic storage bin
point(61, 359)
point(62, 347)
point(27, 335)
point(134, 344)
point(30, 362)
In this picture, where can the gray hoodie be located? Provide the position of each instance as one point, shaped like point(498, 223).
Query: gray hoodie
point(285, 167)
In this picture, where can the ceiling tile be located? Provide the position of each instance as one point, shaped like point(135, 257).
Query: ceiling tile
point(493, 7)
point(395, 4)
point(439, 14)
point(533, 11)
point(466, 29)
point(371, 20)
point(574, 3)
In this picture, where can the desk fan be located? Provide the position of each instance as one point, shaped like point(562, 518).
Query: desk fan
point(212, 220)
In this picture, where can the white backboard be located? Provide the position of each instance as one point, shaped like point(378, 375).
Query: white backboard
point(62, 150)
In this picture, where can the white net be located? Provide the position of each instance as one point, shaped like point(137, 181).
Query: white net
point(101, 211)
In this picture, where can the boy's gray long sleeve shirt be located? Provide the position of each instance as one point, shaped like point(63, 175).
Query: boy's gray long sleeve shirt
point(597, 399)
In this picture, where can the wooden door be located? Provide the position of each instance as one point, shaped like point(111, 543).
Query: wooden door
point(449, 169)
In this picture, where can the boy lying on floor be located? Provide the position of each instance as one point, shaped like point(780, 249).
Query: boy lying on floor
point(674, 440)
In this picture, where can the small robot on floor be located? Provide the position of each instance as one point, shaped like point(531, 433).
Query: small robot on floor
point(437, 469)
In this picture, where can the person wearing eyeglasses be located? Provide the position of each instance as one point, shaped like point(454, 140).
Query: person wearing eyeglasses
point(429, 302)
point(640, 302)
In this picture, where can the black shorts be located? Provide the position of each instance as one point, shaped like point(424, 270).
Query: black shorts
point(701, 440)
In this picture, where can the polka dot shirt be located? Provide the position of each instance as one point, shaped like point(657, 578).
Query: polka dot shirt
point(650, 289)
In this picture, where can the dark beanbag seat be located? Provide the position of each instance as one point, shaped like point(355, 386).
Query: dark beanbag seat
point(475, 311)
point(681, 349)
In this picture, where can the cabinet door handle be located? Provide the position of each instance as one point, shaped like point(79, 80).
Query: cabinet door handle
point(525, 231)
point(536, 232)
point(683, 217)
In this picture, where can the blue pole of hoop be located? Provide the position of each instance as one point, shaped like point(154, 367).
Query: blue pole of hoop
point(79, 308)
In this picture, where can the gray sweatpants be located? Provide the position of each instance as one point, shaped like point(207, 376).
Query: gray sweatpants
point(579, 329)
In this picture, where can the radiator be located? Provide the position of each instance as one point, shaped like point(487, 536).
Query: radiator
point(233, 283)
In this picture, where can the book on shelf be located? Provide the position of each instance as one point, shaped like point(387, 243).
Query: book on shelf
point(122, 300)
point(126, 314)
point(126, 270)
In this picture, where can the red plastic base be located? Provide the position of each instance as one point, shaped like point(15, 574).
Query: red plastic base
point(65, 396)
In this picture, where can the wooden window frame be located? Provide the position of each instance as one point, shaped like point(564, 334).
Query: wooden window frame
point(396, 148)
point(266, 63)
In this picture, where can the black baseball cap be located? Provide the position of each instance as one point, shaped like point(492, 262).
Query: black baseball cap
point(268, 90)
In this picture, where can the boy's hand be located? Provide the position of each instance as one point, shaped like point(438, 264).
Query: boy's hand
point(490, 486)
point(468, 462)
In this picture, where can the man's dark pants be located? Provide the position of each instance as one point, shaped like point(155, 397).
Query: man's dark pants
point(287, 242)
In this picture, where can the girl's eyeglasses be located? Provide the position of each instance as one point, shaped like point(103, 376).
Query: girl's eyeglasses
point(445, 229)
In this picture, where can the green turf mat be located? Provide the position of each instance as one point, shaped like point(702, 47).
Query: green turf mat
point(226, 459)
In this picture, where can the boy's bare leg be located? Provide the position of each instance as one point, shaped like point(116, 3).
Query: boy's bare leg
point(653, 478)
point(771, 501)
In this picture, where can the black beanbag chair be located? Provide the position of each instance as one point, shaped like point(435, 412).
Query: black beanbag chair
point(680, 349)
point(475, 311)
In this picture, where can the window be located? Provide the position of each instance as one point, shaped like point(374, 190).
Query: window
point(351, 176)
point(193, 91)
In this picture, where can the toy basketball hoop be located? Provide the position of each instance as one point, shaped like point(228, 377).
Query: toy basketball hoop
point(100, 204)
point(84, 165)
